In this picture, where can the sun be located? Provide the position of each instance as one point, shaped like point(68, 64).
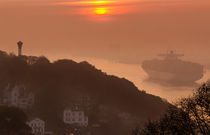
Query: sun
point(101, 11)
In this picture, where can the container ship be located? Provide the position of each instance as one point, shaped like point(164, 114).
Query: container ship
point(172, 69)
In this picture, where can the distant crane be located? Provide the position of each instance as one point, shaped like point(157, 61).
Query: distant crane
point(20, 45)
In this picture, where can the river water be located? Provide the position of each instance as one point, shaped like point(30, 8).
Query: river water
point(135, 73)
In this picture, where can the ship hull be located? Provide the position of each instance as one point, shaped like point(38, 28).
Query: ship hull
point(165, 76)
point(179, 72)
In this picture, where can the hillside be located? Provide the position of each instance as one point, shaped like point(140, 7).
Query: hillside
point(114, 103)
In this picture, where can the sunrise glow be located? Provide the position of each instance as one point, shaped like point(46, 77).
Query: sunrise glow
point(101, 11)
point(93, 3)
point(96, 10)
point(104, 67)
point(100, 2)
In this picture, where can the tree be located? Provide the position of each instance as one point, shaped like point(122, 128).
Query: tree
point(198, 109)
point(189, 116)
point(13, 122)
point(174, 122)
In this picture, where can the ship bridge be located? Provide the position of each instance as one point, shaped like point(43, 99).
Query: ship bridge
point(171, 55)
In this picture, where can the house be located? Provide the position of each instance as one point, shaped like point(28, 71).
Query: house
point(75, 116)
point(17, 96)
point(38, 126)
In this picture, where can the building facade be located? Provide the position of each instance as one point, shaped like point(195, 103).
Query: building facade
point(37, 126)
point(75, 116)
point(17, 96)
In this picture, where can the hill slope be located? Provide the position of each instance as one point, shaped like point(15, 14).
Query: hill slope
point(114, 103)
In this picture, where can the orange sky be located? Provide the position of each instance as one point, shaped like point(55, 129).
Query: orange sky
point(130, 27)
point(128, 31)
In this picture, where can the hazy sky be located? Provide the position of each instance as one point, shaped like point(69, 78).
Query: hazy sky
point(128, 31)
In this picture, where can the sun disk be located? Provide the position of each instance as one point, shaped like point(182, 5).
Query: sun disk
point(101, 11)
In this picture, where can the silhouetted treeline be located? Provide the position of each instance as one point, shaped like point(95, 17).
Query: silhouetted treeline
point(190, 116)
point(113, 102)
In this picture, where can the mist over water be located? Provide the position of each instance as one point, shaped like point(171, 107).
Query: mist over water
point(137, 75)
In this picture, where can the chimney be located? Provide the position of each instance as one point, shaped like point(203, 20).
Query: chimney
point(20, 45)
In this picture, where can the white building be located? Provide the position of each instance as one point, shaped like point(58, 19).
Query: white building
point(37, 126)
point(75, 116)
point(17, 96)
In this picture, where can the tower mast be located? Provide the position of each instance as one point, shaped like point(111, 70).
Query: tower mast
point(20, 45)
